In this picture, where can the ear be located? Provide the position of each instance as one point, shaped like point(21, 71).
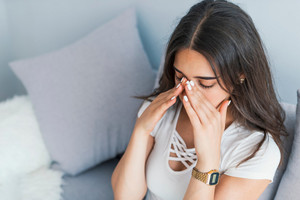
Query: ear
point(242, 76)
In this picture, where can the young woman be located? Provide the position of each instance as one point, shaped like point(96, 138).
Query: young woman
point(212, 128)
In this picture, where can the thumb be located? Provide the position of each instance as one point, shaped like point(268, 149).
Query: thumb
point(223, 111)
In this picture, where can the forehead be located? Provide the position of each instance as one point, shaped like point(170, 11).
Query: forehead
point(188, 60)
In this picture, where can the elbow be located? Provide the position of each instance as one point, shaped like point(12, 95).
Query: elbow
point(113, 181)
point(122, 191)
point(117, 189)
point(117, 195)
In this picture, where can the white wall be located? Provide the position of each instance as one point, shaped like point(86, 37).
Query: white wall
point(7, 86)
point(278, 23)
point(33, 27)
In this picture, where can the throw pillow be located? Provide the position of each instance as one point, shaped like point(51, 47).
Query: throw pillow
point(82, 93)
point(160, 69)
point(289, 184)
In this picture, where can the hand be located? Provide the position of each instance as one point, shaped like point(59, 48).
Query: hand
point(208, 124)
point(158, 107)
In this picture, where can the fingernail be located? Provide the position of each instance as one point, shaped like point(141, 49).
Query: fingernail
point(192, 83)
point(229, 102)
point(178, 85)
point(189, 87)
point(181, 79)
point(185, 98)
point(172, 98)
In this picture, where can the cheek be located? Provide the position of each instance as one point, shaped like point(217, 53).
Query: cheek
point(215, 97)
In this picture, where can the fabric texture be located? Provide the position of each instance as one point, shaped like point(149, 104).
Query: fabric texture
point(289, 184)
point(289, 123)
point(93, 184)
point(237, 143)
point(24, 159)
point(82, 93)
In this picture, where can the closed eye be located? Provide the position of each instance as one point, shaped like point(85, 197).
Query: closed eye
point(204, 86)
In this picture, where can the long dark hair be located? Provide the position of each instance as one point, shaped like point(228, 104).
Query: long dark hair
point(223, 33)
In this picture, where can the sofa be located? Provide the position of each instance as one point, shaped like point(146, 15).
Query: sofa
point(95, 183)
point(37, 32)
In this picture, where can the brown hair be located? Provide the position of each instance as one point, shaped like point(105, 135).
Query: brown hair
point(227, 37)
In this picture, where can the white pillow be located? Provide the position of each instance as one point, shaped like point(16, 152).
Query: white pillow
point(24, 159)
point(22, 149)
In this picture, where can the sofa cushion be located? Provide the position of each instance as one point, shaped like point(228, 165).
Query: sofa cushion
point(290, 111)
point(92, 184)
point(289, 185)
point(82, 93)
point(160, 69)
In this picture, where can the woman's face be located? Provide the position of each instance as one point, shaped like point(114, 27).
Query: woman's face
point(190, 63)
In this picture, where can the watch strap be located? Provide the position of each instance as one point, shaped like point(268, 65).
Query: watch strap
point(203, 176)
point(199, 175)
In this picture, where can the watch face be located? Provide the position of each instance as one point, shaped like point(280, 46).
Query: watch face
point(214, 177)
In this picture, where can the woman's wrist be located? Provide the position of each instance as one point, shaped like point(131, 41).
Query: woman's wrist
point(140, 131)
point(205, 166)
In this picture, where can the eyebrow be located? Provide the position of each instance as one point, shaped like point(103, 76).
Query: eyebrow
point(201, 77)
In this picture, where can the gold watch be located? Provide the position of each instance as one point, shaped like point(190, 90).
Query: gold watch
point(210, 178)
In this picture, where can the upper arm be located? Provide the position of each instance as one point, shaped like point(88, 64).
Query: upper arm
point(150, 141)
point(249, 179)
point(150, 145)
point(235, 188)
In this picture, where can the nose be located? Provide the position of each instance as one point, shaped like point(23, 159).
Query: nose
point(184, 81)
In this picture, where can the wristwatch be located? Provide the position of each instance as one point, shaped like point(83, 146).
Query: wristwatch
point(210, 178)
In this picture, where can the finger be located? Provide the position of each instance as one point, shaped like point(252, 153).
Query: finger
point(223, 111)
point(169, 94)
point(203, 98)
point(177, 90)
point(198, 105)
point(191, 113)
point(166, 99)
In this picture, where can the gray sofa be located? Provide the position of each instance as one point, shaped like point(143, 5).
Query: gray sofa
point(95, 183)
point(32, 27)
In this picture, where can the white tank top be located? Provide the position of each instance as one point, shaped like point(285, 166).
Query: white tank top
point(237, 143)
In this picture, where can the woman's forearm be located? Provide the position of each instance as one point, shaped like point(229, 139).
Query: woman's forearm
point(128, 179)
point(197, 189)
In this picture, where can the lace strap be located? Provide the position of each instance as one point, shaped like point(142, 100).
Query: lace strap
point(181, 151)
